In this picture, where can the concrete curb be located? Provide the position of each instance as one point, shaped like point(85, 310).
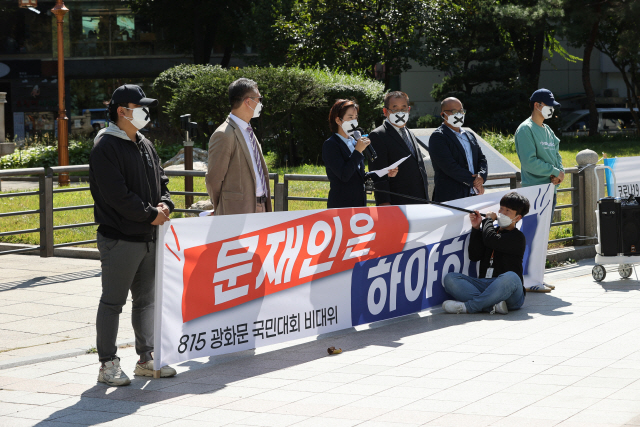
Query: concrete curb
point(70, 252)
point(574, 252)
point(62, 354)
point(557, 255)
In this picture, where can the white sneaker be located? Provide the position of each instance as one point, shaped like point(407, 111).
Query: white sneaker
point(500, 308)
point(454, 307)
point(111, 374)
point(146, 370)
point(538, 288)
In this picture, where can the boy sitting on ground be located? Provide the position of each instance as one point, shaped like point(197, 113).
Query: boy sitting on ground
point(500, 251)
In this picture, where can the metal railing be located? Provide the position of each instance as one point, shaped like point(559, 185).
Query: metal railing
point(280, 197)
point(46, 210)
point(577, 209)
point(40, 173)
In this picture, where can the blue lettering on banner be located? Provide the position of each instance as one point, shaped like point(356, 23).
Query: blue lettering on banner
point(529, 225)
point(407, 282)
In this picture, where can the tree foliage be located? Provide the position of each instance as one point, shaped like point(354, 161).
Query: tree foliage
point(293, 123)
point(619, 39)
point(355, 36)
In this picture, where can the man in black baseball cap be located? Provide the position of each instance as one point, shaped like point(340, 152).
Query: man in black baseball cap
point(131, 200)
point(132, 94)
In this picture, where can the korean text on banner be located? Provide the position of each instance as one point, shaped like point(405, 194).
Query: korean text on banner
point(237, 282)
point(627, 176)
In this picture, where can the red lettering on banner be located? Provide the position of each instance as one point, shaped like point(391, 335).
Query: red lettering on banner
point(225, 274)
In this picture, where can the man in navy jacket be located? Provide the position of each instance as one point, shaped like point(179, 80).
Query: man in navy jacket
point(460, 167)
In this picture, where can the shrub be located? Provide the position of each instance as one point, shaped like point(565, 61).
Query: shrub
point(36, 155)
point(293, 123)
point(46, 156)
point(429, 121)
point(502, 143)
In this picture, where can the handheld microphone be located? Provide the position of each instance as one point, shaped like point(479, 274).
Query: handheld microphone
point(368, 152)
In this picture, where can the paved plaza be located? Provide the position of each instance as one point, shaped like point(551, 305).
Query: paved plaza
point(567, 358)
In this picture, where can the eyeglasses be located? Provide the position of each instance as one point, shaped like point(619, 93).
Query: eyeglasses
point(399, 111)
point(454, 112)
point(259, 98)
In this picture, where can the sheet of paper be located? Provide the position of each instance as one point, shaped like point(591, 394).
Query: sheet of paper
point(206, 213)
point(383, 172)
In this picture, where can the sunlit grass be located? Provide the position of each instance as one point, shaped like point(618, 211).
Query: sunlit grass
point(568, 152)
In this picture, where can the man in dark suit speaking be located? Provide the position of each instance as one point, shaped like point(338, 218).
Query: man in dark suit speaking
point(392, 142)
point(460, 168)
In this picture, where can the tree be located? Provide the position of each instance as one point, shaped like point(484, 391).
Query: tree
point(197, 25)
point(582, 29)
point(260, 32)
point(469, 48)
point(619, 39)
point(356, 36)
point(530, 28)
point(491, 53)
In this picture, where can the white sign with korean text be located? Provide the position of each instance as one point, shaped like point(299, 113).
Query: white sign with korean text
point(626, 174)
point(238, 282)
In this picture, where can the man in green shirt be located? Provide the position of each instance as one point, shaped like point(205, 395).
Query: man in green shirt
point(537, 145)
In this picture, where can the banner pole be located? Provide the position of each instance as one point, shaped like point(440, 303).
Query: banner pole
point(157, 327)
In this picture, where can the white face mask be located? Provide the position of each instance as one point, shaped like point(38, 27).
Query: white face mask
point(399, 119)
point(140, 117)
point(456, 120)
point(349, 127)
point(504, 221)
point(546, 111)
point(257, 110)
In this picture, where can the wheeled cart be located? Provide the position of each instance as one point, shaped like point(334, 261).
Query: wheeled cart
point(618, 236)
point(625, 266)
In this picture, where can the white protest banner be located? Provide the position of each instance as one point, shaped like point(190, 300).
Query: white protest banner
point(237, 282)
point(627, 176)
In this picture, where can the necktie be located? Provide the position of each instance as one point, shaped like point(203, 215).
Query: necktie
point(257, 157)
point(407, 140)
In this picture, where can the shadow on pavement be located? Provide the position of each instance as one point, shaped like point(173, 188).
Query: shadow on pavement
point(48, 280)
point(213, 384)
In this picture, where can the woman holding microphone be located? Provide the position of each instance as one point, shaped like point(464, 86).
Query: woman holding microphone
point(343, 158)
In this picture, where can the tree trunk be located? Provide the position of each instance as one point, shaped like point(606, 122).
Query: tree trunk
point(226, 58)
point(203, 37)
point(387, 76)
point(586, 80)
point(631, 92)
point(536, 61)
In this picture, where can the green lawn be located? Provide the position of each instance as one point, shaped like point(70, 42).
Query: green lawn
point(568, 151)
point(23, 203)
point(569, 148)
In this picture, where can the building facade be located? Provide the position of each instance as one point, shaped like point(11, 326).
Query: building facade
point(105, 46)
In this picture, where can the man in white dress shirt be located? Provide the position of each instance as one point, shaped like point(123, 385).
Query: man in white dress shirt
point(237, 177)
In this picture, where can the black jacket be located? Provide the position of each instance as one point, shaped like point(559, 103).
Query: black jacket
point(345, 178)
point(412, 173)
point(507, 247)
point(452, 179)
point(127, 183)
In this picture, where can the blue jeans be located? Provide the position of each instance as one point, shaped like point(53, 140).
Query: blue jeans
point(482, 294)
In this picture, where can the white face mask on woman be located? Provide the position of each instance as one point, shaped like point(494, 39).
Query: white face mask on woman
point(349, 127)
point(139, 118)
